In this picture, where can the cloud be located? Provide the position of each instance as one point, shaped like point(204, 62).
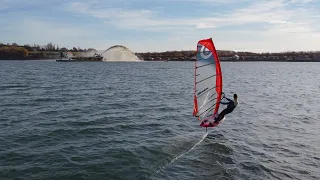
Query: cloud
point(39, 31)
point(273, 12)
point(302, 1)
point(205, 25)
point(108, 13)
point(265, 26)
point(277, 22)
point(155, 25)
point(262, 23)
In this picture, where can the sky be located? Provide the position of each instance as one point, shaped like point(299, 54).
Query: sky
point(164, 25)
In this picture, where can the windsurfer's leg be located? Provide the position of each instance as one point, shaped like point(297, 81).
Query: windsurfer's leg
point(221, 115)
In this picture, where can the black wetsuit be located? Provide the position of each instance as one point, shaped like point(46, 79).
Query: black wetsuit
point(231, 105)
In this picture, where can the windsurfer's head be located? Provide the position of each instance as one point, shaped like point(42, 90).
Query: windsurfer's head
point(235, 96)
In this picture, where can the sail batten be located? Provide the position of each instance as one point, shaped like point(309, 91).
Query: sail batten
point(205, 65)
point(207, 81)
point(201, 93)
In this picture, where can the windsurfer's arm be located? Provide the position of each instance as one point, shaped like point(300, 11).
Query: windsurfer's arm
point(226, 103)
point(228, 99)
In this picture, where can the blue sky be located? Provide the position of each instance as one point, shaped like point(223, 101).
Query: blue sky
point(152, 25)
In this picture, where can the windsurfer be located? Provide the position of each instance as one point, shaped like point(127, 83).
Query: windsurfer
point(231, 105)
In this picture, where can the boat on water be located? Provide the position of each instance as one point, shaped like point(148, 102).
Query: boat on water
point(95, 58)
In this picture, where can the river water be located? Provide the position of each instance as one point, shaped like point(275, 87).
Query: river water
point(133, 120)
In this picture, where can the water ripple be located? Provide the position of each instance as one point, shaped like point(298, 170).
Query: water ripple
point(133, 121)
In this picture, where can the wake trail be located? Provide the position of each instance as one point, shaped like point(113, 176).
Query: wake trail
point(203, 137)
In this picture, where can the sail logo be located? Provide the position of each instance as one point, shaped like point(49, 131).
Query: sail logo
point(205, 53)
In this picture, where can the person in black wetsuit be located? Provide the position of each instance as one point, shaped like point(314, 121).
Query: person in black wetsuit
point(231, 105)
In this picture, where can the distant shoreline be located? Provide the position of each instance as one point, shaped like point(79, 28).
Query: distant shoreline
point(190, 60)
point(271, 60)
point(262, 60)
point(51, 52)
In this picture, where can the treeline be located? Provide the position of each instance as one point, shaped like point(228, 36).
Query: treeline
point(181, 55)
point(13, 52)
point(233, 55)
point(225, 53)
point(50, 51)
point(288, 53)
point(168, 55)
point(184, 55)
point(48, 47)
point(21, 52)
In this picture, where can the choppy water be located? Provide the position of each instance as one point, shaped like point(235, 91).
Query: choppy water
point(133, 121)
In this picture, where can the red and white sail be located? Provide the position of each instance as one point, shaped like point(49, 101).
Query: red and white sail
point(208, 81)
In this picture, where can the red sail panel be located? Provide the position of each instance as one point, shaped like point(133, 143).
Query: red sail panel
point(195, 107)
